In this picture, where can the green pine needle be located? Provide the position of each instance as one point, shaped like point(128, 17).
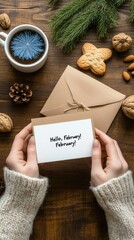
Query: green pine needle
point(132, 10)
point(118, 3)
point(106, 19)
point(81, 23)
point(53, 2)
point(72, 21)
point(66, 13)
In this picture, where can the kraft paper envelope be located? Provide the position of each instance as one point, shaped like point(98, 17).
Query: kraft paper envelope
point(76, 91)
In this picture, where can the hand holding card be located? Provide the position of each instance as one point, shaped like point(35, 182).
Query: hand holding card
point(63, 137)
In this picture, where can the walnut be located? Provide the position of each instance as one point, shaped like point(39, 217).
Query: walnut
point(121, 42)
point(128, 107)
point(6, 123)
point(5, 22)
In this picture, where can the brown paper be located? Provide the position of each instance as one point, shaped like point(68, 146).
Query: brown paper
point(78, 92)
point(61, 118)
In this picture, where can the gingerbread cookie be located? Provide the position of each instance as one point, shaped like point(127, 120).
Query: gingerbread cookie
point(94, 58)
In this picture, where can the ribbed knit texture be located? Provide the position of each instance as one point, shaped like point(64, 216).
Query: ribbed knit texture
point(19, 204)
point(116, 197)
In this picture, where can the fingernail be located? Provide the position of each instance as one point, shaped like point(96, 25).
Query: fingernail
point(95, 143)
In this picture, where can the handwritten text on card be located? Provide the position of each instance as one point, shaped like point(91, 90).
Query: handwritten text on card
point(64, 140)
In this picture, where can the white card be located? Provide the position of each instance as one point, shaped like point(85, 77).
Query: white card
point(63, 140)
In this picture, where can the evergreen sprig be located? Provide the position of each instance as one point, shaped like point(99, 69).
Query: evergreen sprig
point(132, 10)
point(67, 12)
point(67, 40)
point(73, 20)
point(118, 3)
point(53, 2)
point(106, 18)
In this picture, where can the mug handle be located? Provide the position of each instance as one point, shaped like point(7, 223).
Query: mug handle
point(2, 42)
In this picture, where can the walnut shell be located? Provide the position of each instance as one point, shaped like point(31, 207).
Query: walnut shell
point(128, 107)
point(6, 124)
point(5, 22)
point(121, 42)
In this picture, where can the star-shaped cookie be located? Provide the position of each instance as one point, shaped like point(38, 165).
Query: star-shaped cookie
point(94, 58)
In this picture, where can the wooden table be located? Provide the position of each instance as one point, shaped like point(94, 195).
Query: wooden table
point(70, 211)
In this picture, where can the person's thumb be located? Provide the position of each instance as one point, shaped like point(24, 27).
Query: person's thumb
point(96, 167)
point(32, 165)
point(31, 151)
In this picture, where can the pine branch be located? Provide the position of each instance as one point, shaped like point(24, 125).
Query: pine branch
point(79, 25)
point(72, 21)
point(66, 13)
point(132, 10)
point(60, 31)
point(107, 15)
point(53, 2)
point(118, 3)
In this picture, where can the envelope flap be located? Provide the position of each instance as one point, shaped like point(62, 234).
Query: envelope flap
point(89, 91)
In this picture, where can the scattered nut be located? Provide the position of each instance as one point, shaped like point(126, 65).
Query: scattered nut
point(131, 66)
point(128, 107)
point(6, 123)
point(129, 58)
point(121, 42)
point(5, 22)
point(126, 76)
point(132, 73)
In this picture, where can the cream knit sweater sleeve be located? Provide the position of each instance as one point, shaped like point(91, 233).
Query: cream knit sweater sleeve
point(19, 204)
point(116, 197)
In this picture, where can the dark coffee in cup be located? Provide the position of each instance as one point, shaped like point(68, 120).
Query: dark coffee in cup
point(26, 46)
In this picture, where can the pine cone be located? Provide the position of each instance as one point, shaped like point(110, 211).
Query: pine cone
point(20, 93)
point(2, 186)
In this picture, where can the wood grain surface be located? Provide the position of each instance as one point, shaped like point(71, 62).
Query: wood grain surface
point(70, 211)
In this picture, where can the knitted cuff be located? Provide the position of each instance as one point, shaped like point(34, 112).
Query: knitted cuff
point(115, 191)
point(22, 192)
